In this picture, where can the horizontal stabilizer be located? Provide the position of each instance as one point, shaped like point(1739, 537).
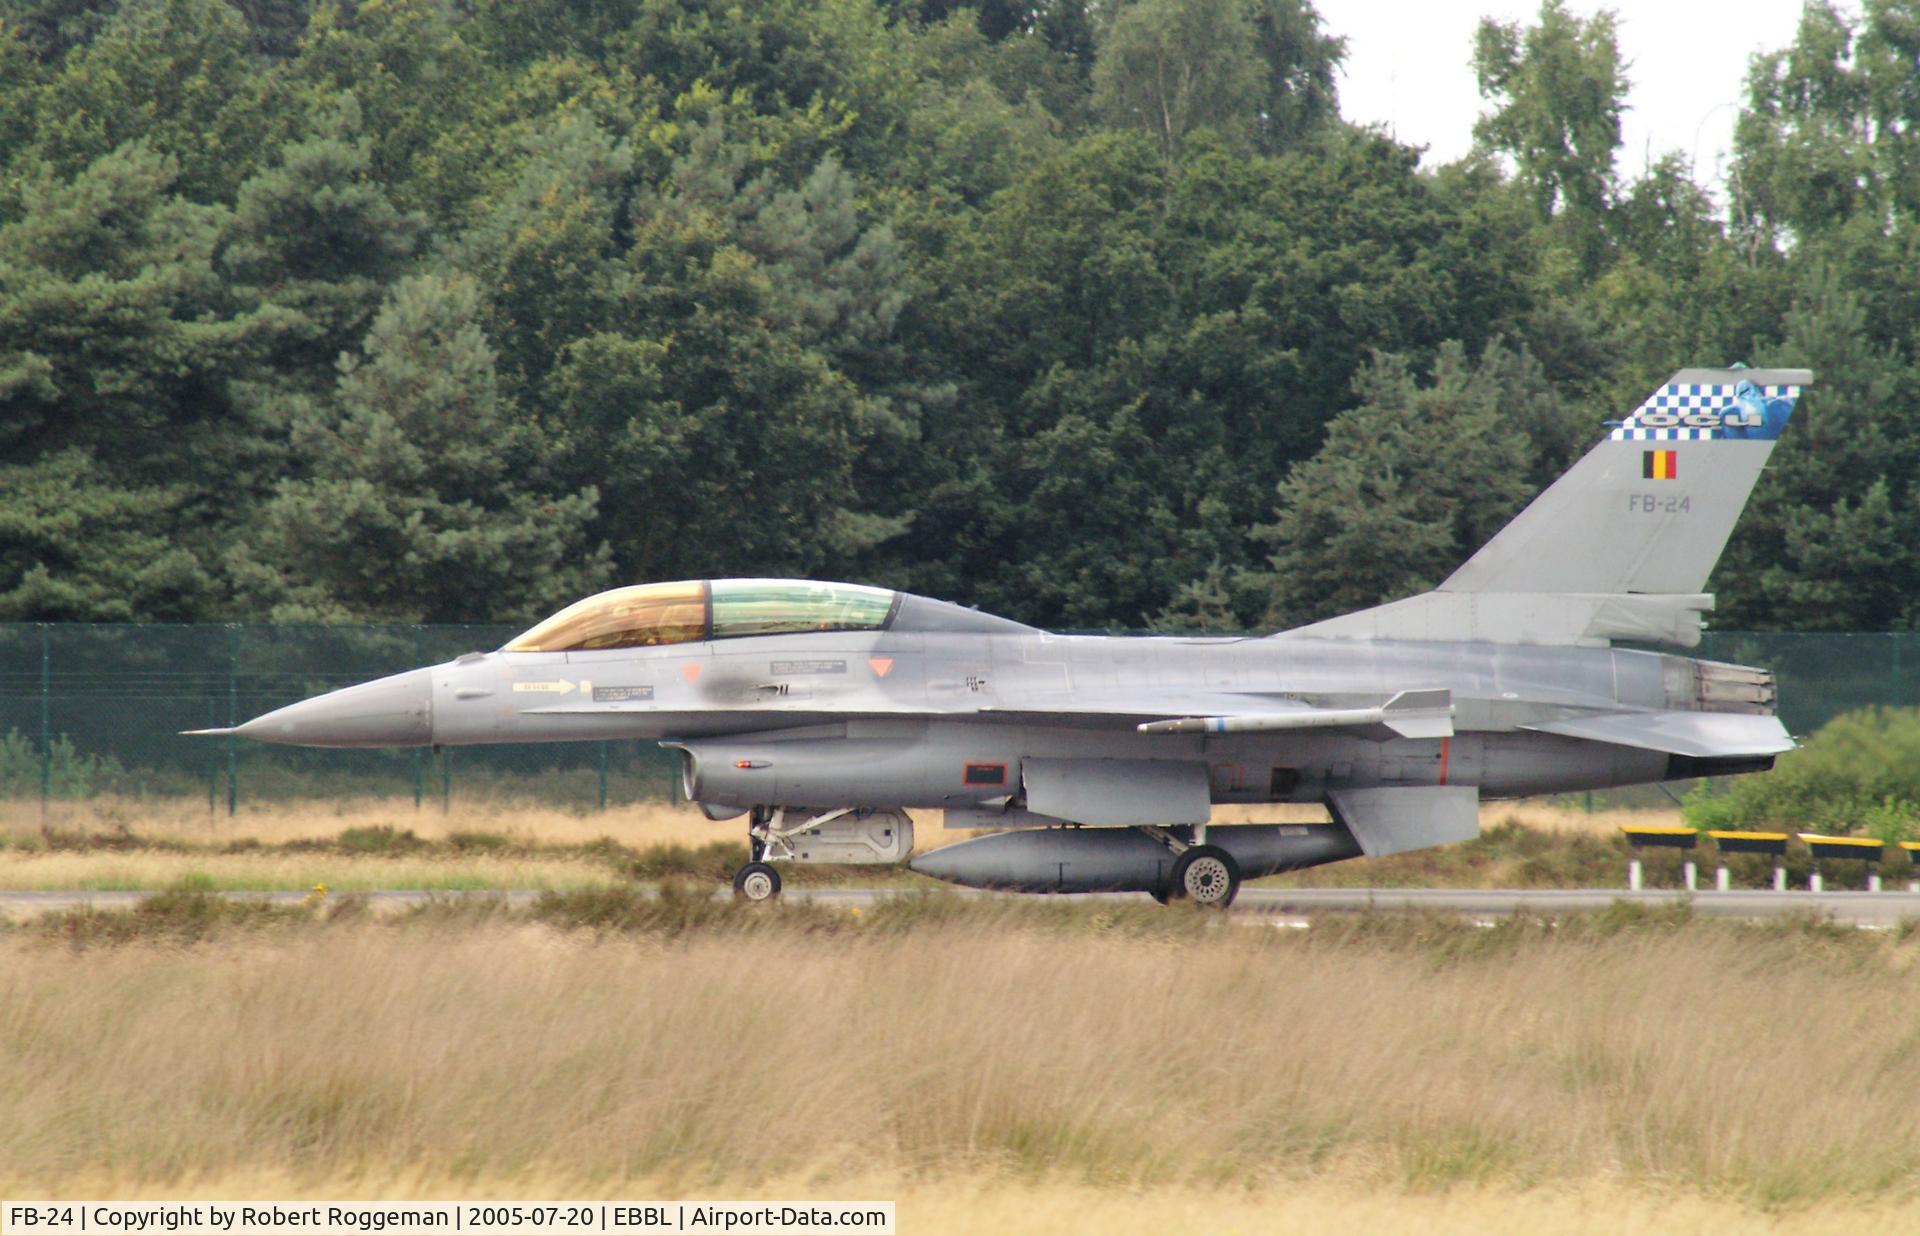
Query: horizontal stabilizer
point(1394, 819)
point(1410, 714)
point(1699, 734)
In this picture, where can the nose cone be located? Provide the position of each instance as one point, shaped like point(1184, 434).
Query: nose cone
point(388, 712)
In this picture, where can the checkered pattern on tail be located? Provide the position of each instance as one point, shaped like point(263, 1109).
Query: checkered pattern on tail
point(1677, 413)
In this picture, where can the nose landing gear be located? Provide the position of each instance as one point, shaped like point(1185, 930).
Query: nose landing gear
point(814, 835)
point(756, 882)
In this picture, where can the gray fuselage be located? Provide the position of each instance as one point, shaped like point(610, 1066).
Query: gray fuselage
point(898, 718)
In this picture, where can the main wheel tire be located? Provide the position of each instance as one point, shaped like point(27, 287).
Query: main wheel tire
point(756, 882)
point(1207, 875)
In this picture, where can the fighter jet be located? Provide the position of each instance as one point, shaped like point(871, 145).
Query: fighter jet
point(822, 713)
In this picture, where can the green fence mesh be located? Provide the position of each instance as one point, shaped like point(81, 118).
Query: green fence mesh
point(1823, 675)
point(97, 708)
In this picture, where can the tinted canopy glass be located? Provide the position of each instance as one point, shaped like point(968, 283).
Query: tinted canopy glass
point(650, 614)
point(636, 617)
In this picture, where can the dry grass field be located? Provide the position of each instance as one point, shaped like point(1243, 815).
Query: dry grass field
point(359, 844)
point(286, 871)
point(349, 845)
point(188, 822)
point(1045, 1065)
point(1036, 1066)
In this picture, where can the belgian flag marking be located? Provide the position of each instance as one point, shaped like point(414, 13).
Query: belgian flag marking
point(1660, 465)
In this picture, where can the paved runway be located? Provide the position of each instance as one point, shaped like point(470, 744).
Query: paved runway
point(1275, 904)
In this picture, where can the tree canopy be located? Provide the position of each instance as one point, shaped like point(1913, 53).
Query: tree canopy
point(1089, 314)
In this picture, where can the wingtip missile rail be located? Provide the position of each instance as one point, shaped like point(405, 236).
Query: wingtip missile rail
point(1410, 714)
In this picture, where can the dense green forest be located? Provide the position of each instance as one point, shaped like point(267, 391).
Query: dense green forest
point(1088, 312)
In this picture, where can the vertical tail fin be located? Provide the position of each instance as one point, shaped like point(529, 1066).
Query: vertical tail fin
point(1649, 509)
point(1621, 545)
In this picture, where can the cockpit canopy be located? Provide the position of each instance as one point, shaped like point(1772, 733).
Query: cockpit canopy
point(645, 615)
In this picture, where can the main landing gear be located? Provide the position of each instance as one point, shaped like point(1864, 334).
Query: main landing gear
point(1204, 874)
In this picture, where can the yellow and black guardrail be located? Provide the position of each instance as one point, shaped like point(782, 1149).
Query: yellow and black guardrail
point(1869, 850)
point(1733, 841)
point(1665, 836)
point(1820, 846)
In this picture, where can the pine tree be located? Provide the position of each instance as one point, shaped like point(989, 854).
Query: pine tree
point(1409, 483)
point(315, 238)
point(424, 498)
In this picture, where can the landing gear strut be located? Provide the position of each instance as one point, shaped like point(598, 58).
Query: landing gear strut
point(758, 881)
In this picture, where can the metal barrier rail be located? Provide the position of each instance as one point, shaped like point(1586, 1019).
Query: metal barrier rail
point(1820, 847)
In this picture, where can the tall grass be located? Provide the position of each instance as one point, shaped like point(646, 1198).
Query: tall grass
point(277, 870)
point(1767, 1066)
point(373, 843)
point(188, 821)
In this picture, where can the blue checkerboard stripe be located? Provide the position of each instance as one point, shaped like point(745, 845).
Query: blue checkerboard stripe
point(1679, 400)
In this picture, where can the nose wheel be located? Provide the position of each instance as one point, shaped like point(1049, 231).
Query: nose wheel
point(756, 882)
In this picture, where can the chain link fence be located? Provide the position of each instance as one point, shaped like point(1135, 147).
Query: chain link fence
point(98, 709)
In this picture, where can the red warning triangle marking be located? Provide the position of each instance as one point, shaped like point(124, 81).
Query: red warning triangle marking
point(690, 671)
point(882, 666)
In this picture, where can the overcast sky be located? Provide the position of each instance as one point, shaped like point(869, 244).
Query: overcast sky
point(1410, 66)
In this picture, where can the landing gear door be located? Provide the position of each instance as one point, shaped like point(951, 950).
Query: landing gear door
point(1393, 820)
point(1130, 792)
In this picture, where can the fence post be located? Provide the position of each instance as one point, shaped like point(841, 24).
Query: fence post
point(419, 756)
point(233, 717)
point(46, 718)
